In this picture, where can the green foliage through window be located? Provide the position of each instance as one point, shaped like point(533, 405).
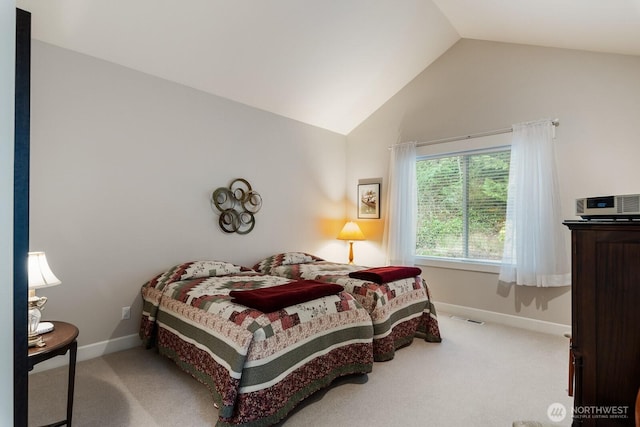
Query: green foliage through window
point(462, 201)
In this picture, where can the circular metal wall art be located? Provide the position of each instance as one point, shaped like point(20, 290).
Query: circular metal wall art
point(237, 205)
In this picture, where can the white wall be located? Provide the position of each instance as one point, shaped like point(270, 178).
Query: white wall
point(122, 168)
point(479, 86)
point(7, 104)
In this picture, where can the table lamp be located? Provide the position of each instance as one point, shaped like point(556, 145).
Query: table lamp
point(40, 276)
point(351, 232)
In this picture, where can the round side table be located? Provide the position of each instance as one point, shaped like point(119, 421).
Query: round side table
point(58, 342)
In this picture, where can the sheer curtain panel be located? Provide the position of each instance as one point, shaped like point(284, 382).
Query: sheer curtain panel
point(402, 205)
point(535, 243)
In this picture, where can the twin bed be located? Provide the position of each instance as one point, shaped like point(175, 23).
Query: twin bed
point(400, 309)
point(264, 342)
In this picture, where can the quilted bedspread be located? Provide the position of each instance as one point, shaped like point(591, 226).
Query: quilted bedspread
point(399, 310)
point(257, 365)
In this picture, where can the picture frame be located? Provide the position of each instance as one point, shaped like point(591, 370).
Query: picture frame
point(369, 200)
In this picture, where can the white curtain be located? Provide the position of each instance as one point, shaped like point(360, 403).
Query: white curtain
point(535, 241)
point(402, 205)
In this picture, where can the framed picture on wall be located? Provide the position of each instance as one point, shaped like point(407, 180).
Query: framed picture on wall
point(369, 200)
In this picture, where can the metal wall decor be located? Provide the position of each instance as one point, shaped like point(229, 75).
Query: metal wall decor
point(237, 205)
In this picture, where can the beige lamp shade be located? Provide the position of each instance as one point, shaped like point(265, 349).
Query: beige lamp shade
point(351, 231)
point(40, 275)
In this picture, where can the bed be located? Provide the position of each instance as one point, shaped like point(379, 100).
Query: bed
point(400, 309)
point(257, 364)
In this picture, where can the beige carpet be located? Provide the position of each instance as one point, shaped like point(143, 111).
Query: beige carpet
point(480, 375)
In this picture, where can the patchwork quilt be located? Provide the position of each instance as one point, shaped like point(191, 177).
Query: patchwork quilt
point(399, 310)
point(257, 365)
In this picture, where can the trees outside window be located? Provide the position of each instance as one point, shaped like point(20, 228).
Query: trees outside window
point(462, 201)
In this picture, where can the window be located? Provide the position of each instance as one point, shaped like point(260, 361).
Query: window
point(462, 202)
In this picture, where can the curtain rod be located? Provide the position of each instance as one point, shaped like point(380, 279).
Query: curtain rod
point(554, 122)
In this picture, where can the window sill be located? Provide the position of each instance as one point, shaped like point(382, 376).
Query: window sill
point(484, 267)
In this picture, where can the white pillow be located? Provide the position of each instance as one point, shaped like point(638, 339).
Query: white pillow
point(199, 269)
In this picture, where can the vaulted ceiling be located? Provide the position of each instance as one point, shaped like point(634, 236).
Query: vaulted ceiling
point(328, 63)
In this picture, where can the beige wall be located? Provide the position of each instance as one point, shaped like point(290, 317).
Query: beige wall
point(479, 86)
point(123, 165)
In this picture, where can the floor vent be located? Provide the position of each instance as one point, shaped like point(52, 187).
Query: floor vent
point(464, 319)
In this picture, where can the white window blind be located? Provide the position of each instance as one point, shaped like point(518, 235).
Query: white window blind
point(462, 201)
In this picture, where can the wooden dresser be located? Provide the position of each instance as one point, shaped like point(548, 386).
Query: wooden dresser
point(605, 321)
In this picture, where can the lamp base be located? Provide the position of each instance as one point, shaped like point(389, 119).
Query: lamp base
point(34, 315)
point(350, 252)
point(36, 341)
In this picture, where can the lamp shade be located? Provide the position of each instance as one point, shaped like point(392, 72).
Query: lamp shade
point(351, 231)
point(40, 275)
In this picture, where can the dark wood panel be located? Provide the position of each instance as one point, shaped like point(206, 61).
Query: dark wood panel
point(21, 216)
point(618, 329)
point(606, 318)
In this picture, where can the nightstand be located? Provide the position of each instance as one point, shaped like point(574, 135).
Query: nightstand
point(57, 343)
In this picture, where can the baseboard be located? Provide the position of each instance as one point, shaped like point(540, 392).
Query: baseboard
point(91, 351)
point(503, 319)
